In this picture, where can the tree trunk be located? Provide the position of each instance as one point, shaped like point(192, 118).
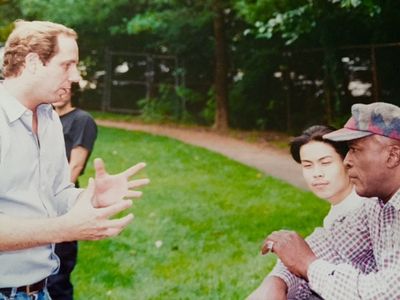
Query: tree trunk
point(221, 69)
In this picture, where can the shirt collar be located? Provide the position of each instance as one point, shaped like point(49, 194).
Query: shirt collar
point(15, 109)
point(46, 109)
point(395, 200)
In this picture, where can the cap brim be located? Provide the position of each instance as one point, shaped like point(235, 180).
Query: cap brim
point(345, 134)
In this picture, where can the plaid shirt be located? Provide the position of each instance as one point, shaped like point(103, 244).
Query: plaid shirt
point(359, 256)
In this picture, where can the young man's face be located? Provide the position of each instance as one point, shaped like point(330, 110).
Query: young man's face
point(56, 76)
point(366, 165)
point(324, 171)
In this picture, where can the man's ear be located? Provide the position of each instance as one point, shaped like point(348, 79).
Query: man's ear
point(32, 62)
point(394, 156)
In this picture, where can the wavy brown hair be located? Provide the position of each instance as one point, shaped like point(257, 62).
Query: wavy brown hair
point(38, 37)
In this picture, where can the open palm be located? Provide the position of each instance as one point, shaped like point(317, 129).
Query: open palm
point(113, 188)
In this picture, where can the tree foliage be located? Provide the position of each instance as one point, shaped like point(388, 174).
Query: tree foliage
point(8, 11)
point(296, 19)
point(269, 70)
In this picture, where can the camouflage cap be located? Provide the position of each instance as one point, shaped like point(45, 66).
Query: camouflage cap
point(367, 119)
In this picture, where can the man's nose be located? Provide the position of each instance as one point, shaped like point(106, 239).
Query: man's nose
point(347, 161)
point(318, 172)
point(75, 75)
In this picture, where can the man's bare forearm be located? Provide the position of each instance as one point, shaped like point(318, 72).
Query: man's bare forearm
point(79, 156)
point(82, 222)
point(272, 288)
point(22, 233)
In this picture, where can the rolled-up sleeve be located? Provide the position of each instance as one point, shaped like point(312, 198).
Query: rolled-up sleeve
point(297, 287)
point(346, 282)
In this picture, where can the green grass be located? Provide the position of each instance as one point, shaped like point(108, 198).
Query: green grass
point(114, 116)
point(210, 213)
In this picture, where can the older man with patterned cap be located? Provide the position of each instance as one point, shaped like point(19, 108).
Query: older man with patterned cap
point(373, 162)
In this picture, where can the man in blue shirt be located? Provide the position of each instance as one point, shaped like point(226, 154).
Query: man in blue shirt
point(39, 206)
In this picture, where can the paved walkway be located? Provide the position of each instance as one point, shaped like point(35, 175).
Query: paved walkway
point(266, 159)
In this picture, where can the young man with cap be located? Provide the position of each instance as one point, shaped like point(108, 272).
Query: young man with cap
point(39, 206)
point(373, 162)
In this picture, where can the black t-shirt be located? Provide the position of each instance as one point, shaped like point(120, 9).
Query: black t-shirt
point(79, 129)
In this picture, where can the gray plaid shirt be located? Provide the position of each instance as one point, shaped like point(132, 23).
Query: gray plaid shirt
point(359, 256)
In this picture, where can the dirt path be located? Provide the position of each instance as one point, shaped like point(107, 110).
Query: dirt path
point(260, 156)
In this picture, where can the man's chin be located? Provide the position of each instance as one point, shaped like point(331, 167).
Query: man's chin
point(58, 103)
point(360, 190)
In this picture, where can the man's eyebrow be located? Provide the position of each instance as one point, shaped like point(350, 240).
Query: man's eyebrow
point(68, 61)
point(322, 158)
point(325, 157)
point(305, 160)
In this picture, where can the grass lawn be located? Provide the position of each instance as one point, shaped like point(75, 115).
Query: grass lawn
point(198, 228)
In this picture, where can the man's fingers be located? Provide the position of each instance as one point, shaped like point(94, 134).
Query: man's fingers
point(133, 194)
point(133, 170)
point(90, 187)
point(89, 191)
point(120, 223)
point(267, 246)
point(138, 183)
point(111, 210)
point(115, 226)
point(99, 167)
point(278, 240)
point(112, 227)
point(272, 239)
point(281, 234)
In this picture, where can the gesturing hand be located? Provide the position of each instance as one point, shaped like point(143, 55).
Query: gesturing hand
point(85, 222)
point(113, 188)
point(292, 249)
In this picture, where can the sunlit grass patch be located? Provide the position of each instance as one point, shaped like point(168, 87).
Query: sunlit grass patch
point(198, 228)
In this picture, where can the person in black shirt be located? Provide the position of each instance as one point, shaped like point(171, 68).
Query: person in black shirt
point(80, 132)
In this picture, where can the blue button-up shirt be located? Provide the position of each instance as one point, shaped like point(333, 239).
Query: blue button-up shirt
point(34, 183)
